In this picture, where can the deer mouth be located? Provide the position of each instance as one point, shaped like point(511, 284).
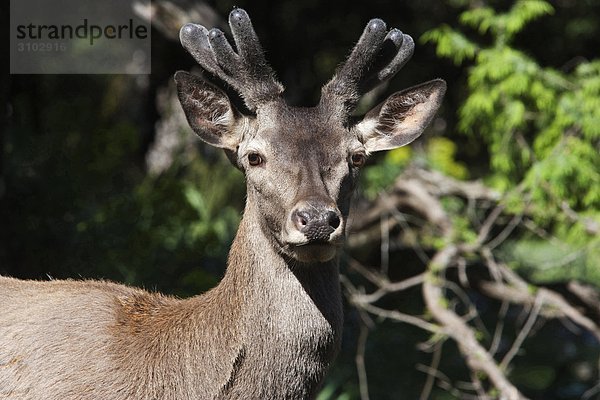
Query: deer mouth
point(315, 252)
point(310, 251)
point(309, 241)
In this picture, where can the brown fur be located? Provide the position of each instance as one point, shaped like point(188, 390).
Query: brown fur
point(272, 326)
point(98, 340)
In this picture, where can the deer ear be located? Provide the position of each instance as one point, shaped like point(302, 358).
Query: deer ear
point(402, 117)
point(208, 111)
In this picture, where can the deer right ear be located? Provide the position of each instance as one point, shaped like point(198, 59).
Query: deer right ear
point(208, 111)
point(402, 117)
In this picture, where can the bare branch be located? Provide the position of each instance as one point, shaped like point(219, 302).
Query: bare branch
point(587, 294)
point(435, 362)
point(441, 185)
point(505, 232)
point(555, 306)
point(420, 192)
point(385, 248)
point(360, 361)
point(400, 317)
point(489, 222)
point(382, 282)
point(168, 16)
point(477, 358)
point(416, 185)
point(591, 392)
point(499, 328)
point(523, 333)
point(362, 302)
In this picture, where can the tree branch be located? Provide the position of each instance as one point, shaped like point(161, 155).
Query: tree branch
point(553, 304)
point(420, 192)
point(477, 358)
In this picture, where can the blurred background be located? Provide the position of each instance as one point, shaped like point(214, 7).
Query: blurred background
point(100, 177)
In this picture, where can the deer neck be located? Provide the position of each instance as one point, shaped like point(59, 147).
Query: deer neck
point(281, 303)
point(275, 290)
point(267, 314)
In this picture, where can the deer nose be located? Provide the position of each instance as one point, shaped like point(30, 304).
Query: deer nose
point(317, 223)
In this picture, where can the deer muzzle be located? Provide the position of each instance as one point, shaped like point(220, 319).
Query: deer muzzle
point(315, 221)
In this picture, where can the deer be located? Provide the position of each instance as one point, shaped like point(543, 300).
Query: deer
point(271, 328)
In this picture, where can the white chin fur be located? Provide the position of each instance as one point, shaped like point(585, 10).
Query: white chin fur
point(314, 253)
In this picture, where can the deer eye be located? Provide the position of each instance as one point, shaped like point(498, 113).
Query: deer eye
point(254, 159)
point(358, 159)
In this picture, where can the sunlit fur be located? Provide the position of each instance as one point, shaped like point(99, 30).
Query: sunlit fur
point(271, 328)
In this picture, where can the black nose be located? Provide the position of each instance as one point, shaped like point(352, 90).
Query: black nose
point(316, 223)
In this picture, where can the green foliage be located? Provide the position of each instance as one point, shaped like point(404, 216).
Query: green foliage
point(380, 176)
point(540, 125)
point(505, 25)
point(441, 153)
point(548, 262)
point(335, 391)
point(173, 229)
point(81, 205)
point(450, 44)
point(186, 216)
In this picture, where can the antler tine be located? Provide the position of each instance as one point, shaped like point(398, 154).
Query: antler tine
point(376, 58)
point(246, 71)
point(399, 48)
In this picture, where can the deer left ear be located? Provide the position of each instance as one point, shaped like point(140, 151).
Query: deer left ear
point(209, 111)
point(402, 117)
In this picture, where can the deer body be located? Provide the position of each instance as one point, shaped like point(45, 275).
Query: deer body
point(99, 340)
point(272, 326)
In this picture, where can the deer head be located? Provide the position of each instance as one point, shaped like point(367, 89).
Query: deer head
point(301, 164)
